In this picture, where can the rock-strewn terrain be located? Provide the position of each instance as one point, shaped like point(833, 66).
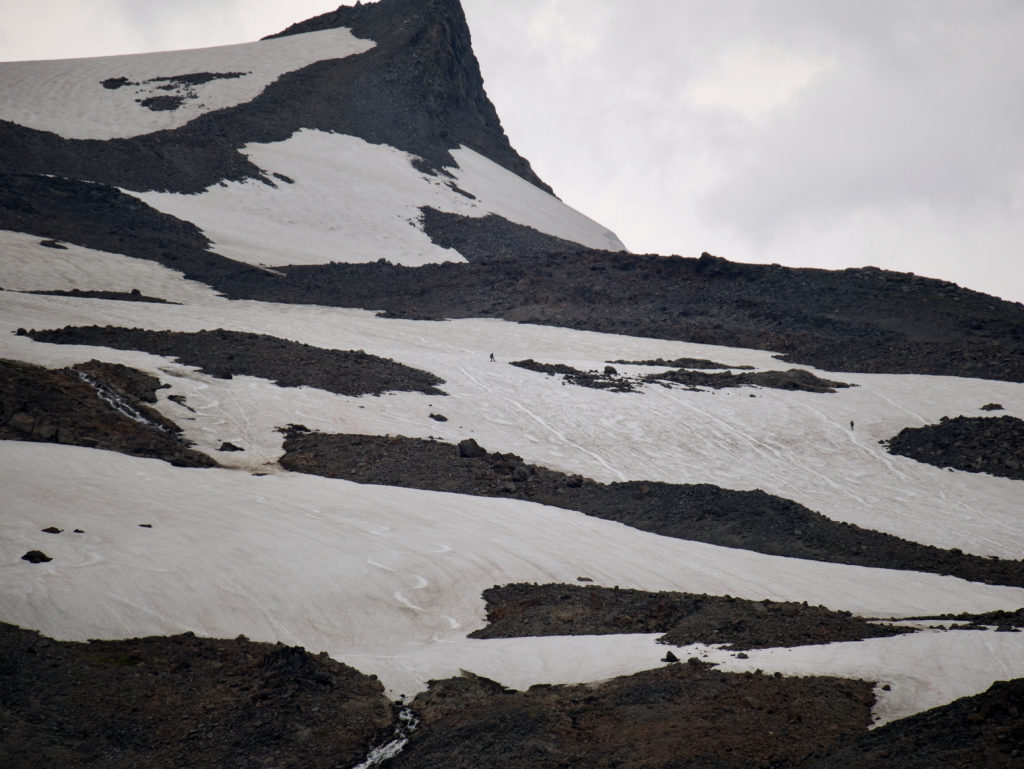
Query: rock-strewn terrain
point(101, 405)
point(993, 445)
point(683, 715)
point(181, 701)
point(751, 520)
point(223, 354)
point(538, 610)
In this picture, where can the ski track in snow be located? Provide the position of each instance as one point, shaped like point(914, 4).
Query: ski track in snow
point(330, 564)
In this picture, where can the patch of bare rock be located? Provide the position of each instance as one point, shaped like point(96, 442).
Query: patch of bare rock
point(181, 701)
point(222, 354)
point(94, 404)
point(993, 445)
point(751, 520)
point(524, 609)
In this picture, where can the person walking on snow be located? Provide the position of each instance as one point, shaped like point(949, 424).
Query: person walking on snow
point(492, 357)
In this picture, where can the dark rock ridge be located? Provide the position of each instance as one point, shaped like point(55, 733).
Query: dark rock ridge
point(749, 520)
point(993, 445)
point(419, 89)
point(181, 701)
point(524, 609)
point(610, 379)
point(701, 363)
point(223, 353)
point(676, 716)
point(863, 320)
point(99, 405)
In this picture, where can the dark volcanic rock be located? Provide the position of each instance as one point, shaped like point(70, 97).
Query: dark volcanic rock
point(985, 731)
point(604, 380)
point(100, 405)
point(223, 353)
point(676, 716)
point(541, 610)
point(993, 445)
point(181, 701)
point(36, 556)
point(750, 520)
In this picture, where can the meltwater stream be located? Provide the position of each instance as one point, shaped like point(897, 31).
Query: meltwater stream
point(406, 725)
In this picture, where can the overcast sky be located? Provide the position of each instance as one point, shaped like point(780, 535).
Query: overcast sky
point(824, 133)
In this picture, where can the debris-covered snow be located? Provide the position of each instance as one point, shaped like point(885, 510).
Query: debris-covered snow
point(108, 97)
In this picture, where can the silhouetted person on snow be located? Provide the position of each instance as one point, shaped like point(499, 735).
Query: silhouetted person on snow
point(492, 357)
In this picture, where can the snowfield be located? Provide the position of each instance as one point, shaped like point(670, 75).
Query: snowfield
point(68, 96)
point(351, 201)
point(390, 580)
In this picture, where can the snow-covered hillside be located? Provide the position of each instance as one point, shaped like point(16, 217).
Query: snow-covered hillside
point(390, 579)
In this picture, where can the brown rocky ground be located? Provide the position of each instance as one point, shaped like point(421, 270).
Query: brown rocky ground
point(539, 610)
point(181, 701)
point(993, 445)
point(751, 520)
point(94, 404)
point(682, 715)
point(223, 353)
point(122, 296)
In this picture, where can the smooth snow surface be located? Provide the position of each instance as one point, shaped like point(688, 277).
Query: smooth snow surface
point(390, 580)
point(67, 96)
point(352, 201)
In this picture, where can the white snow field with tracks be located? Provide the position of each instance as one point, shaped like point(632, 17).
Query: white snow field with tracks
point(390, 579)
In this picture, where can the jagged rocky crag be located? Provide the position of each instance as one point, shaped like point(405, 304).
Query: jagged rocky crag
point(993, 445)
point(181, 701)
point(522, 609)
point(223, 354)
point(418, 89)
point(751, 520)
point(99, 405)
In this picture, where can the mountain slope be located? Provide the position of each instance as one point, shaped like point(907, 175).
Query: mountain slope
point(323, 270)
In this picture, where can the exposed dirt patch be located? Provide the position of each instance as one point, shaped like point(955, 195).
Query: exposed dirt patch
point(541, 610)
point(99, 405)
point(993, 445)
point(751, 520)
point(1002, 620)
point(162, 103)
point(223, 353)
point(181, 701)
point(676, 716)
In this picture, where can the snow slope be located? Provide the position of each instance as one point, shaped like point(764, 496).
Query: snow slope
point(67, 96)
point(351, 201)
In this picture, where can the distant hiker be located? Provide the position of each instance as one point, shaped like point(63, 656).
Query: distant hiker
point(851, 424)
point(492, 357)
